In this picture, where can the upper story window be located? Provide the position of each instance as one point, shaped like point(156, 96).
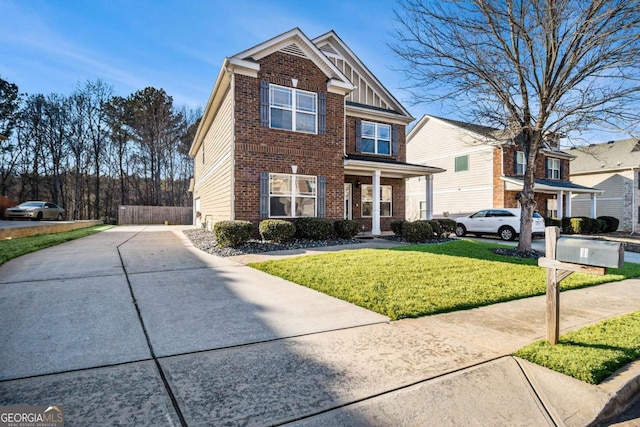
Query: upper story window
point(553, 168)
point(292, 196)
point(521, 163)
point(293, 109)
point(376, 138)
point(462, 163)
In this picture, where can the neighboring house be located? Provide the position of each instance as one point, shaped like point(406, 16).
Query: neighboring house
point(301, 128)
point(483, 171)
point(612, 167)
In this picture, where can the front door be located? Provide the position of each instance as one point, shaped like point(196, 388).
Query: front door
point(347, 202)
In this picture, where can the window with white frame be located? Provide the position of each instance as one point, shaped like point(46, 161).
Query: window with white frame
point(553, 168)
point(386, 196)
point(376, 138)
point(292, 196)
point(293, 109)
point(423, 210)
point(521, 163)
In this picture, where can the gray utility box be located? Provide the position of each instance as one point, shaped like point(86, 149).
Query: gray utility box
point(598, 253)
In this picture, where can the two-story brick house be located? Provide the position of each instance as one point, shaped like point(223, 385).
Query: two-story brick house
point(297, 127)
point(484, 170)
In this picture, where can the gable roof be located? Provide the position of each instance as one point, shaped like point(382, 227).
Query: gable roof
point(486, 131)
point(607, 156)
point(323, 52)
point(493, 136)
point(479, 130)
point(293, 42)
point(339, 53)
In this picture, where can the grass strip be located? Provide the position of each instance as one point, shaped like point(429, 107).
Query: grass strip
point(419, 280)
point(13, 248)
point(590, 354)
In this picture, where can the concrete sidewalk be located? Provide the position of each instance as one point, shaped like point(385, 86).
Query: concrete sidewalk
point(135, 326)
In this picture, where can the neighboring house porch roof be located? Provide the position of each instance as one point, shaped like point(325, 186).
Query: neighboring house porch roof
point(358, 165)
point(549, 186)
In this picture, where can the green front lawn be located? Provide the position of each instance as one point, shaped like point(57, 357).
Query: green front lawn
point(418, 280)
point(593, 353)
point(13, 248)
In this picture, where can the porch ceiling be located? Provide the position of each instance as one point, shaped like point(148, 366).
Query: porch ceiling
point(389, 168)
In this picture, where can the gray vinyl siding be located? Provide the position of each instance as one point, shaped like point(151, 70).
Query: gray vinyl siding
point(616, 201)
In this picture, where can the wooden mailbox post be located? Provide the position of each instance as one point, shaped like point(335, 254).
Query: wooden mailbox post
point(556, 272)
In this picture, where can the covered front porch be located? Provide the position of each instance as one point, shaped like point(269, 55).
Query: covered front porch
point(368, 176)
point(560, 205)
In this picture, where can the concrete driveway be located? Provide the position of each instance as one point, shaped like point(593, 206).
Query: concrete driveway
point(134, 326)
point(86, 323)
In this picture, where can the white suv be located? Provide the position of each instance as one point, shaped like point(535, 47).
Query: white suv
point(503, 222)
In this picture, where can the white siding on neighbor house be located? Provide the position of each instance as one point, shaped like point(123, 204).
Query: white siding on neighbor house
point(214, 177)
point(454, 193)
point(617, 199)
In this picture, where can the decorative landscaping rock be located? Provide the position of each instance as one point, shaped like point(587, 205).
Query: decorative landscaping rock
point(205, 240)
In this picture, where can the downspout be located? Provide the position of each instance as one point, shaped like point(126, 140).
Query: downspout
point(501, 175)
point(233, 146)
point(344, 127)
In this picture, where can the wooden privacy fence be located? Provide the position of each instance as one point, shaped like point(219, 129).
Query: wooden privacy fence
point(130, 214)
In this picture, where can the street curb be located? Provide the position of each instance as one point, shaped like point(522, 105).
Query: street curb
point(621, 395)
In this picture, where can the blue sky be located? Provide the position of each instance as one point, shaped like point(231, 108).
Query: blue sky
point(49, 46)
point(178, 45)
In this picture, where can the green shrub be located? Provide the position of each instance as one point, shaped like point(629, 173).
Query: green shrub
point(552, 222)
point(611, 222)
point(580, 225)
point(447, 226)
point(232, 233)
point(417, 231)
point(396, 226)
point(314, 228)
point(600, 226)
point(435, 227)
point(277, 230)
point(567, 228)
point(347, 228)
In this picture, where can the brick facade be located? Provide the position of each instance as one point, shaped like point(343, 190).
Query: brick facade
point(503, 161)
point(262, 149)
point(397, 202)
point(350, 145)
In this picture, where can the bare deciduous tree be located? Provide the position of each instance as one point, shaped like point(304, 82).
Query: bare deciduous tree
point(9, 150)
point(535, 68)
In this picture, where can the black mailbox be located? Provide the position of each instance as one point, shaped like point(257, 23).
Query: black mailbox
point(598, 253)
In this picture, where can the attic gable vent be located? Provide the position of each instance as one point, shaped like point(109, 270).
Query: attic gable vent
point(327, 48)
point(293, 49)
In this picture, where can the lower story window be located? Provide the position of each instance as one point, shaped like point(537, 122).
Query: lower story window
point(385, 200)
point(292, 196)
point(423, 210)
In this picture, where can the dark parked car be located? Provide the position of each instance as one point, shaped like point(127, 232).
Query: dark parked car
point(35, 211)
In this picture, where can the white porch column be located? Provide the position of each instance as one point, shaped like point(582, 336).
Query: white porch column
point(429, 196)
point(560, 204)
point(568, 209)
point(375, 215)
point(593, 205)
